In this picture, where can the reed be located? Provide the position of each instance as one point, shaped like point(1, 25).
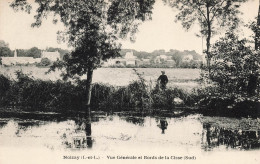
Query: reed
point(37, 95)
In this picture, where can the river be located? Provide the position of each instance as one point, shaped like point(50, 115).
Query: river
point(100, 137)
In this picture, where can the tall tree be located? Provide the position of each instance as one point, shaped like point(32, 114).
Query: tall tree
point(5, 52)
point(210, 14)
point(34, 52)
point(92, 29)
point(257, 30)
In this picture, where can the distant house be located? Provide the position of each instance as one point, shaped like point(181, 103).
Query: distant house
point(114, 62)
point(162, 59)
point(52, 56)
point(130, 58)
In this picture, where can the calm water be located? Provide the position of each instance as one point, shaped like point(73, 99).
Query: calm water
point(109, 138)
point(113, 133)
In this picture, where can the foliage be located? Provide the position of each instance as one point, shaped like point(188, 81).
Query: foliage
point(256, 29)
point(210, 14)
point(5, 52)
point(236, 66)
point(125, 16)
point(136, 95)
point(235, 77)
point(92, 29)
point(212, 101)
point(4, 87)
point(190, 64)
point(34, 52)
point(22, 53)
point(44, 62)
point(37, 95)
point(88, 27)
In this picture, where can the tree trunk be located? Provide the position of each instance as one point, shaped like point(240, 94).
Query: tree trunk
point(88, 129)
point(208, 39)
point(257, 34)
point(89, 88)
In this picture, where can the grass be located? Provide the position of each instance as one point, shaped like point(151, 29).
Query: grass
point(37, 95)
point(28, 94)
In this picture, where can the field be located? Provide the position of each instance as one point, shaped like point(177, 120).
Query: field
point(183, 78)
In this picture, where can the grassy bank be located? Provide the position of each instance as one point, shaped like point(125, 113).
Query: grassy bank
point(38, 95)
point(27, 94)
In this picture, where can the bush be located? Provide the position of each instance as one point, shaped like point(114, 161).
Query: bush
point(5, 84)
point(44, 62)
point(235, 75)
point(236, 66)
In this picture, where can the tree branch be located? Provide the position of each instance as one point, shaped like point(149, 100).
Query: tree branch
point(214, 14)
point(199, 10)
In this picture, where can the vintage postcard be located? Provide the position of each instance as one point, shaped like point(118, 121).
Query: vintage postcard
point(129, 81)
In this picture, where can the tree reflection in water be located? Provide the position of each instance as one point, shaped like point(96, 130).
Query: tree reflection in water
point(81, 136)
point(135, 120)
point(214, 136)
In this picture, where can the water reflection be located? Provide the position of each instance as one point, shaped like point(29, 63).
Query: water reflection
point(215, 136)
point(102, 132)
point(163, 124)
point(135, 120)
point(81, 136)
point(2, 124)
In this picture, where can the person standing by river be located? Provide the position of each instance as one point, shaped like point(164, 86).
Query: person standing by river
point(162, 80)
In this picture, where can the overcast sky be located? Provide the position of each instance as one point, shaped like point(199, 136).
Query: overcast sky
point(160, 33)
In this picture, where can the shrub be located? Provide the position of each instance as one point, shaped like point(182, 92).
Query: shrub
point(5, 84)
point(234, 73)
point(44, 62)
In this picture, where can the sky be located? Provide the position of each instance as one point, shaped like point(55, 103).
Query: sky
point(160, 33)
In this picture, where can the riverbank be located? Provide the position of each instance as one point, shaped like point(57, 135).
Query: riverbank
point(29, 95)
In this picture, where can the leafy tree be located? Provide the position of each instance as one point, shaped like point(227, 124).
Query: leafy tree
point(45, 62)
point(177, 57)
point(5, 51)
point(210, 14)
point(256, 29)
point(92, 29)
point(236, 67)
point(34, 52)
point(21, 52)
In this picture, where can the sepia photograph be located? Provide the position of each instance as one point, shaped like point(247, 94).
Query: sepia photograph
point(129, 81)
